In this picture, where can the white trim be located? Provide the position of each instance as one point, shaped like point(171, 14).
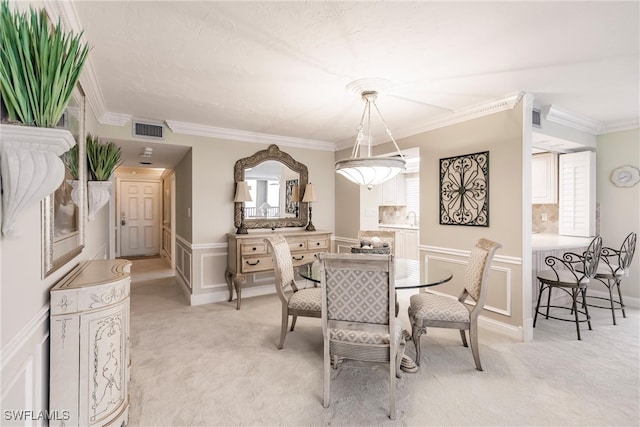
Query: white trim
point(25, 334)
point(184, 287)
point(464, 253)
point(246, 136)
point(223, 294)
point(621, 125)
point(572, 120)
point(502, 328)
point(115, 119)
point(200, 246)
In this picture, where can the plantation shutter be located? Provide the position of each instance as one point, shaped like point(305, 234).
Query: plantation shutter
point(577, 188)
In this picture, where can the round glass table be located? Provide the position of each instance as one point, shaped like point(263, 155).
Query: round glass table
point(407, 274)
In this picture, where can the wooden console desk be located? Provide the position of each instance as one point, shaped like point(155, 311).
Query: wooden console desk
point(248, 254)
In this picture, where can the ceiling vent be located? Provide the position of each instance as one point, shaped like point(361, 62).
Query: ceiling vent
point(148, 130)
point(535, 120)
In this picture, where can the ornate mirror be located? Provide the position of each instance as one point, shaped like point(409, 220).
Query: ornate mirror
point(275, 180)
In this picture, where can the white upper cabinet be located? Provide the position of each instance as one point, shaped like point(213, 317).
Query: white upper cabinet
point(544, 183)
point(577, 188)
point(393, 192)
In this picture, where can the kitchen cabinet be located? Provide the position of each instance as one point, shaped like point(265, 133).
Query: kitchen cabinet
point(406, 239)
point(393, 192)
point(544, 178)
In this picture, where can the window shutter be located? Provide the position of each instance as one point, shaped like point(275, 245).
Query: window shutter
point(577, 194)
point(412, 181)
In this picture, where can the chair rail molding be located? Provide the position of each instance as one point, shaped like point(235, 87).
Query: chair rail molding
point(30, 167)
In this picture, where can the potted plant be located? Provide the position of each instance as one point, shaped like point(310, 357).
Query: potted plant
point(72, 164)
point(40, 67)
point(102, 159)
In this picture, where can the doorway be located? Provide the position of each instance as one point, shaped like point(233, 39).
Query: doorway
point(139, 217)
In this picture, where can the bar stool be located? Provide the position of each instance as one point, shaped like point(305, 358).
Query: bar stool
point(610, 273)
point(571, 274)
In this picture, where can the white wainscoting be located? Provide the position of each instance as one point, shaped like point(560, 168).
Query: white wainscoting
point(25, 373)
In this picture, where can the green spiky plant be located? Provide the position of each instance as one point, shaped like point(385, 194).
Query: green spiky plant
point(102, 157)
point(71, 161)
point(39, 66)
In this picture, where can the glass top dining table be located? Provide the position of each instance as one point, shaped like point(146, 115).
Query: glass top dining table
point(407, 274)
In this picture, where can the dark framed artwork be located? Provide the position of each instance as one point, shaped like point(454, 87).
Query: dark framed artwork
point(464, 190)
point(290, 204)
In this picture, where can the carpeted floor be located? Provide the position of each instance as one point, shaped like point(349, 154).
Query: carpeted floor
point(211, 365)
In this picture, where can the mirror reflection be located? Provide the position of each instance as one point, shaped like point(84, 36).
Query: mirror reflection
point(272, 186)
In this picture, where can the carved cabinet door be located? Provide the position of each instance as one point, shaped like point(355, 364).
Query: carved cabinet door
point(104, 355)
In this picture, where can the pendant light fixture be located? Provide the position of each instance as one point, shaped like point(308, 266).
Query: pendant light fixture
point(367, 170)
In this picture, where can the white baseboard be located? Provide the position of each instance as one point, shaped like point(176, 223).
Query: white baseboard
point(515, 332)
point(222, 295)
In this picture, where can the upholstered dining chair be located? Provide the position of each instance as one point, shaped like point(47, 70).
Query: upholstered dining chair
point(358, 315)
point(295, 302)
point(613, 267)
point(385, 236)
point(439, 311)
point(570, 273)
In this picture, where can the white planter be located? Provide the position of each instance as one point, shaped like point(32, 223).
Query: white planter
point(99, 195)
point(31, 167)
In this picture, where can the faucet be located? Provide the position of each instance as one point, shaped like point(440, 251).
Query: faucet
point(414, 217)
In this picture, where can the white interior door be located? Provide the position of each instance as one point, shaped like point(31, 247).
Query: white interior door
point(140, 219)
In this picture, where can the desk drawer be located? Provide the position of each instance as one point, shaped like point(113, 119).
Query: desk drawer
point(297, 245)
point(302, 258)
point(318, 243)
point(257, 263)
point(257, 248)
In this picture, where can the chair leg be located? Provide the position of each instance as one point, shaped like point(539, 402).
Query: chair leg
point(293, 322)
point(475, 350)
point(574, 296)
point(624, 314)
point(283, 327)
point(392, 388)
point(326, 378)
point(535, 316)
point(416, 333)
point(464, 337)
point(548, 301)
point(399, 355)
point(586, 309)
point(613, 307)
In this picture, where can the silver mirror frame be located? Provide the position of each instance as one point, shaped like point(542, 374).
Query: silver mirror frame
point(56, 252)
point(272, 153)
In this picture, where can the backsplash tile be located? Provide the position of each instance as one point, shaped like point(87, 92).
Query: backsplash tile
point(549, 226)
point(394, 215)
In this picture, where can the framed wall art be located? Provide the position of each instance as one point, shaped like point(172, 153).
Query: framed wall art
point(290, 203)
point(464, 190)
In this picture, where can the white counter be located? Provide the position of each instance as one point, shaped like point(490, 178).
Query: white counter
point(549, 242)
point(399, 226)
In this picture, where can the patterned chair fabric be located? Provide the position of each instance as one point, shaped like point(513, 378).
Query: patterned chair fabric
point(570, 273)
point(358, 314)
point(295, 302)
point(613, 267)
point(439, 311)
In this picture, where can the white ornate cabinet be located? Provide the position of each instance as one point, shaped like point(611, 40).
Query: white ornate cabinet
point(89, 345)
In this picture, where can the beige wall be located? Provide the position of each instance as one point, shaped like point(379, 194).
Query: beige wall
point(619, 206)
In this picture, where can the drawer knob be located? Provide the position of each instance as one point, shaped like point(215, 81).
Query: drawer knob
point(254, 248)
point(300, 245)
point(255, 263)
point(299, 259)
point(317, 243)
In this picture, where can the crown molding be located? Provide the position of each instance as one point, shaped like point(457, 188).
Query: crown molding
point(572, 120)
point(621, 125)
point(246, 136)
point(115, 119)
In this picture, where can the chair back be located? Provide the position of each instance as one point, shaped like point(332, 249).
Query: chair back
point(478, 269)
point(282, 263)
point(357, 288)
point(591, 257)
point(385, 236)
point(624, 256)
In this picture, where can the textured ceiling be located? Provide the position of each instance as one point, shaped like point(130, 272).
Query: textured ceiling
point(281, 68)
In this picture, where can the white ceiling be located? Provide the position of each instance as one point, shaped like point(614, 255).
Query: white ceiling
point(281, 68)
